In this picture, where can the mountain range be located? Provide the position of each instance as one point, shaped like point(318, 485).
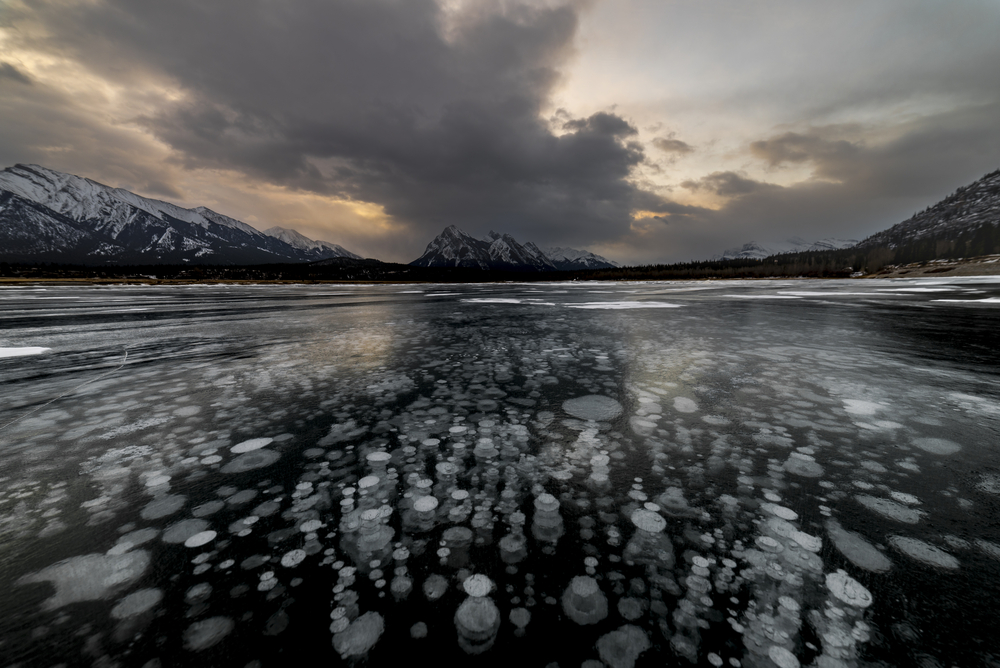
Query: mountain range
point(47, 215)
point(455, 248)
point(972, 210)
point(50, 216)
point(758, 251)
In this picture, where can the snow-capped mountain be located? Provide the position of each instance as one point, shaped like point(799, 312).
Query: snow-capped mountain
point(455, 248)
point(51, 216)
point(321, 249)
point(965, 211)
point(571, 258)
point(758, 251)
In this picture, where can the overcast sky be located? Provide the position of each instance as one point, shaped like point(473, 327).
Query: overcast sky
point(645, 130)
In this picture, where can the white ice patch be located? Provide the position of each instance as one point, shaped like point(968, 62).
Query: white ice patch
point(623, 306)
point(988, 300)
point(90, 577)
point(937, 446)
point(859, 407)
point(492, 300)
point(21, 352)
point(684, 405)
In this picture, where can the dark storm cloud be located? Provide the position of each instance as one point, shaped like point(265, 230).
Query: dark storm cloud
point(728, 184)
point(11, 73)
point(376, 100)
point(857, 189)
point(670, 145)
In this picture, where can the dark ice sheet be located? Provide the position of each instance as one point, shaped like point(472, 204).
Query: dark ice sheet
point(779, 428)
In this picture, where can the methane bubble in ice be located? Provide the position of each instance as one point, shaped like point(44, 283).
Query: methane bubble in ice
point(179, 532)
point(89, 577)
point(249, 461)
point(685, 405)
point(200, 538)
point(858, 551)
point(251, 445)
point(136, 603)
point(937, 446)
point(923, 552)
point(202, 635)
point(360, 636)
point(648, 521)
point(163, 506)
point(477, 585)
point(848, 590)
point(584, 602)
point(889, 509)
point(593, 407)
point(782, 657)
point(621, 648)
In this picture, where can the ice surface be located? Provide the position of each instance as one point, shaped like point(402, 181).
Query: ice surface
point(20, 352)
point(683, 459)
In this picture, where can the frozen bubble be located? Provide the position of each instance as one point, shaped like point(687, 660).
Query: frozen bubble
point(937, 446)
point(293, 558)
point(889, 509)
point(418, 631)
point(208, 508)
point(251, 460)
point(477, 585)
point(136, 603)
point(923, 552)
point(621, 648)
point(780, 511)
point(807, 541)
point(179, 532)
point(425, 504)
point(858, 551)
point(434, 587)
point(991, 549)
point(163, 506)
point(360, 636)
point(593, 407)
point(902, 497)
point(202, 635)
point(367, 482)
point(684, 405)
point(848, 590)
point(200, 538)
point(157, 480)
point(648, 521)
point(251, 445)
point(584, 602)
point(803, 465)
point(520, 617)
point(782, 657)
point(309, 526)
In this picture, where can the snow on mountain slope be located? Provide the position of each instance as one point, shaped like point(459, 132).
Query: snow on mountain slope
point(76, 219)
point(758, 251)
point(455, 248)
point(322, 249)
point(580, 258)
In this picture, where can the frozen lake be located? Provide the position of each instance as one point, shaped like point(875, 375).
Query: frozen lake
point(770, 473)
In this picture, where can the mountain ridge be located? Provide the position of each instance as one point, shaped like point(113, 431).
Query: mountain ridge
point(100, 224)
point(456, 248)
